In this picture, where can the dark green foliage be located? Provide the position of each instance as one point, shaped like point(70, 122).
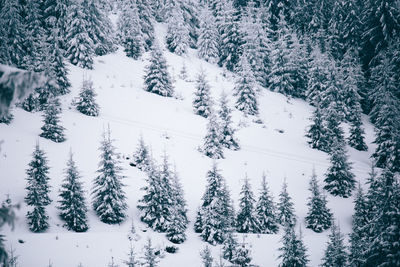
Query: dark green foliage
point(230, 246)
point(335, 253)
point(85, 103)
point(266, 210)
point(246, 89)
point(72, 204)
point(7, 118)
point(293, 252)
point(317, 131)
point(319, 216)
point(146, 21)
point(228, 139)
point(202, 102)
point(141, 158)
point(157, 79)
point(109, 200)
point(339, 180)
point(51, 128)
point(285, 209)
point(242, 256)
point(246, 221)
point(38, 191)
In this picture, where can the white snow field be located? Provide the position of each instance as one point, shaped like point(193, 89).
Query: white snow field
point(277, 147)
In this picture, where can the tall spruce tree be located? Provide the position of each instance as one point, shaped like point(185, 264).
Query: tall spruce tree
point(266, 210)
point(38, 191)
point(177, 38)
point(149, 258)
point(141, 157)
point(228, 133)
point(109, 200)
point(339, 180)
point(230, 246)
point(208, 40)
point(242, 256)
point(285, 212)
point(202, 102)
point(85, 103)
point(146, 21)
point(51, 128)
point(316, 132)
point(358, 234)
point(206, 257)
point(72, 201)
point(293, 251)
point(246, 221)
point(319, 216)
point(157, 79)
point(80, 47)
point(246, 89)
point(335, 253)
point(212, 146)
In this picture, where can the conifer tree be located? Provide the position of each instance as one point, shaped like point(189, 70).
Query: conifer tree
point(383, 246)
point(206, 257)
point(129, 28)
point(132, 261)
point(7, 118)
point(358, 234)
point(334, 133)
point(109, 200)
point(335, 253)
point(212, 141)
point(146, 20)
point(177, 38)
point(208, 38)
point(51, 128)
point(228, 139)
point(80, 47)
point(54, 17)
point(242, 256)
point(38, 191)
point(72, 204)
point(356, 138)
point(266, 210)
point(167, 201)
point(245, 89)
point(157, 79)
point(230, 246)
point(319, 216)
point(149, 257)
point(246, 221)
point(286, 214)
point(141, 157)
point(316, 133)
point(85, 103)
point(293, 252)
point(198, 224)
point(202, 102)
point(339, 180)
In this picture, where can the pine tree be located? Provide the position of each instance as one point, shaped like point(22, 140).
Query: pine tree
point(51, 128)
point(230, 246)
point(129, 29)
point(356, 138)
point(167, 201)
point(132, 261)
point(286, 214)
point(246, 221)
point(208, 38)
point(212, 141)
point(85, 103)
point(266, 210)
point(335, 253)
point(319, 216)
point(38, 191)
point(293, 250)
point(55, 13)
point(383, 246)
point(99, 27)
point(228, 139)
point(149, 257)
point(109, 200)
point(80, 47)
point(72, 204)
point(358, 234)
point(141, 158)
point(206, 257)
point(7, 118)
point(339, 180)
point(153, 209)
point(157, 79)
point(245, 89)
point(242, 256)
point(146, 20)
point(230, 42)
point(202, 102)
point(316, 133)
point(177, 38)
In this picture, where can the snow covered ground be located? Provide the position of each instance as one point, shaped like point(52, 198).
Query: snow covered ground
point(277, 147)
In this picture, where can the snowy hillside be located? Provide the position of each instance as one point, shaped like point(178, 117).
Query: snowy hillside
point(276, 146)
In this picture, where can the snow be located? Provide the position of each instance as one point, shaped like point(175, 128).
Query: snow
point(166, 124)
